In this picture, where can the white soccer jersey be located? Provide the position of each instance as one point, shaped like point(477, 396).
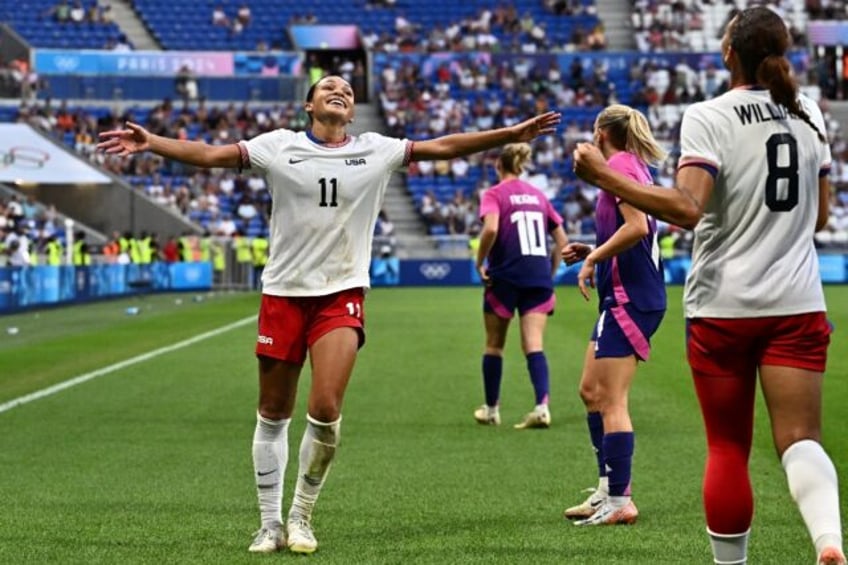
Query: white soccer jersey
point(753, 254)
point(324, 203)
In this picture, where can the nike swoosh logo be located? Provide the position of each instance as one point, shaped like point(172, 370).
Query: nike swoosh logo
point(312, 481)
point(261, 474)
point(596, 503)
point(296, 161)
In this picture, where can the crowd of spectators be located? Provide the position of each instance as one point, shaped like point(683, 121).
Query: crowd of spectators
point(92, 15)
point(236, 22)
point(498, 29)
point(466, 94)
point(826, 9)
point(65, 12)
point(697, 25)
point(25, 228)
point(18, 80)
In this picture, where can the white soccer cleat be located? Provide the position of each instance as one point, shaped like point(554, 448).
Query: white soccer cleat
point(538, 418)
point(488, 415)
point(300, 539)
point(608, 515)
point(588, 507)
point(267, 540)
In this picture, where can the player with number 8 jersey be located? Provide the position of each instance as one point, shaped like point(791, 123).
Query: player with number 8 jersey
point(758, 205)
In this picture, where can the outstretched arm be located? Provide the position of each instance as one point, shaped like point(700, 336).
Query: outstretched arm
point(135, 139)
point(459, 144)
point(682, 205)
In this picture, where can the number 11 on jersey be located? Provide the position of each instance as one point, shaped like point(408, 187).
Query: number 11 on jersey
point(334, 185)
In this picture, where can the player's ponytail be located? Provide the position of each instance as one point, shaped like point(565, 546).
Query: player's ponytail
point(628, 130)
point(774, 73)
point(640, 139)
point(513, 157)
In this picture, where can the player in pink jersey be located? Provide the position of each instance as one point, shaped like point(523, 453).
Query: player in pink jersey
point(631, 305)
point(517, 268)
point(752, 183)
point(327, 188)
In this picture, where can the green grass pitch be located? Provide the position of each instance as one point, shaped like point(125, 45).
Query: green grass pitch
point(151, 463)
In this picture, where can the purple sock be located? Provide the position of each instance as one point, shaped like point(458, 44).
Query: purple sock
point(596, 432)
point(618, 456)
point(537, 366)
point(492, 370)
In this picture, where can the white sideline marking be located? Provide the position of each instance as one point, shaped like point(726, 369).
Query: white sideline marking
point(49, 391)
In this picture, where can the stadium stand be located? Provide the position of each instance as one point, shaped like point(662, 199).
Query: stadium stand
point(481, 83)
point(411, 21)
point(64, 24)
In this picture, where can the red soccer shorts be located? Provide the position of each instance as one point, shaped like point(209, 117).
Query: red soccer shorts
point(289, 325)
point(735, 347)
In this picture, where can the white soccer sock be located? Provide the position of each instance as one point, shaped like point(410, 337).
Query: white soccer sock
point(729, 549)
point(618, 501)
point(317, 450)
point(603, 484)
point(815, 488)
point(270, 456)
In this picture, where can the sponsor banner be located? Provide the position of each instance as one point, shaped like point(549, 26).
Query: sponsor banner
point(28, 158)
point(441, 272)
point(827, 32)
point(435, 272)
point(43, 285)
point(462, 272)
point(5, 289)
point(85, 62)
point(268, 64)
point(306, 37)
point(190, 276)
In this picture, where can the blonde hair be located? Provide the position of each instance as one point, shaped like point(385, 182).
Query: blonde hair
point(513, 157)
point(628, 130)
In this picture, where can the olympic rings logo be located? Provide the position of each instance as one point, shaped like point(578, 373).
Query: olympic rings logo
point(435, 271)
point(24, 157)
point(66, 63)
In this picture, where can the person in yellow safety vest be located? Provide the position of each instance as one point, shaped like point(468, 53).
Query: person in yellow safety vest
point(474, 245)
point(54, 251)
point(219, 260)
point(667, 243)
point(186, 253)
point(145, 255)
point(34, 248)
point(135, 250)
point(204, 245)
point(124, 243)
point(244, 258)
point(82, 258)
point(259, 247)
point(242, 247)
